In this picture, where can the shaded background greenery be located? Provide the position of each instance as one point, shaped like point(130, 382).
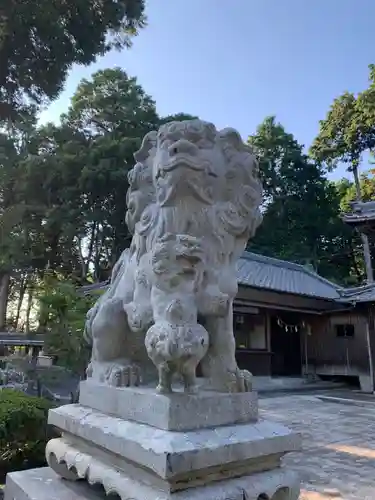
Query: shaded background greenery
point(23, 431)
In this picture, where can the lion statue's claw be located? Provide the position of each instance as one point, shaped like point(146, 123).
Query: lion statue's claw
point(244, 381)
point(124, 376)
point(229, 381)
point(116, 374)
point(238, 381)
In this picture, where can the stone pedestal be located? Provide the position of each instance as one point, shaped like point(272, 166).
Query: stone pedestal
point(139, 445)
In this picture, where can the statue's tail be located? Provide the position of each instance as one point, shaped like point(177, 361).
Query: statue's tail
point(87, 336)
point(87, 331)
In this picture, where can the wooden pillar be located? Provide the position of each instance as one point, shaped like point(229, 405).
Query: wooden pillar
point(370, 333)
point(34, 358)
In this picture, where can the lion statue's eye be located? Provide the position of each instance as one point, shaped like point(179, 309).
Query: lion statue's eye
point(205, 143)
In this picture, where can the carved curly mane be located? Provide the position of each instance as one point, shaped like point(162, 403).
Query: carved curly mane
point(234, 214)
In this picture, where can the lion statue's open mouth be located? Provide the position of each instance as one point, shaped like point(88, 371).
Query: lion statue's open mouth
point(180, 154)
point(185, 161)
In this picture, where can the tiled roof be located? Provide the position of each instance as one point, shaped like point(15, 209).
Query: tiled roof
point(273, 274)
point(19, 339)
point(365, 293)
point(362, 212)
point(279, 275)
point(358, 218)
point(87, 289)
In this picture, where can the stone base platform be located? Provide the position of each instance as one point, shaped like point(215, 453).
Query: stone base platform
point(134, 444)
point(171, 412)
point(166, 460)
point(44, 484)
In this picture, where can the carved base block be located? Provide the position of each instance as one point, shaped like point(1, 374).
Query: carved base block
point(172, 412)
point(142, 459)
point(74, 459)
point(168, 459)
point(44, 484)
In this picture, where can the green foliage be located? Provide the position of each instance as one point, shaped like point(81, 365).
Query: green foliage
point(277, 153)
point(340, 139)
point(63, 312)
point(345, 135)
point(347, 190)
point(177, 117)
point(348, 131)
point(63, 188)
point(41, 40)
point(347, 194)
point(11, 212)
point(23, 431)
point(109, 115)
point(114, 113)
point(301, 210)
point(49, 184)
point(112, 102)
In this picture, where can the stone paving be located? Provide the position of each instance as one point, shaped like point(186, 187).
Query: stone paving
point(338, 456)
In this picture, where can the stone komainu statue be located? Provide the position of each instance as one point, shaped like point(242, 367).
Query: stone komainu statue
point(193, 203)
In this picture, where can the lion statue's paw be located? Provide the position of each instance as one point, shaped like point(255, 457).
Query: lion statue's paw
point(119, 373)
point(89, 370)
point(229, 381)
point(237, 381)
point(124, 375)
point(244, 381)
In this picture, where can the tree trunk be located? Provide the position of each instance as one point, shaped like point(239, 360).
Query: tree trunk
point(98, 249)
point(367, 257)
point(4, 289)
point(28, 310)
point(85, 262)
point(20, 301)
point(357, 183)
point(364, 238)
point(354, 262)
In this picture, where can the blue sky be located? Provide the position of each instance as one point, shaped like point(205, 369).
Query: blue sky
point(234, 63)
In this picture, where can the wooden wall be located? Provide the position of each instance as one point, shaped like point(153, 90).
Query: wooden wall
point(327, 353)
point(252, 340)
point(330, 354)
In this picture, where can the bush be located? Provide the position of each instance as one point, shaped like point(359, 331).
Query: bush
point(23, 431)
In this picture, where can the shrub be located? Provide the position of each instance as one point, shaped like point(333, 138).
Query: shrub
point(23, 431)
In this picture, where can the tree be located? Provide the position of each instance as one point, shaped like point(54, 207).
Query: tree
point(345, 135)
point(63, 190)
point(41, 40)
point(348, 190)
point(113, 112)
point(38, 213)
point(74, 177)
point(14, 144)
point(49, 185)
point(301, 210)
point(348, 193)
point(65, 312)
